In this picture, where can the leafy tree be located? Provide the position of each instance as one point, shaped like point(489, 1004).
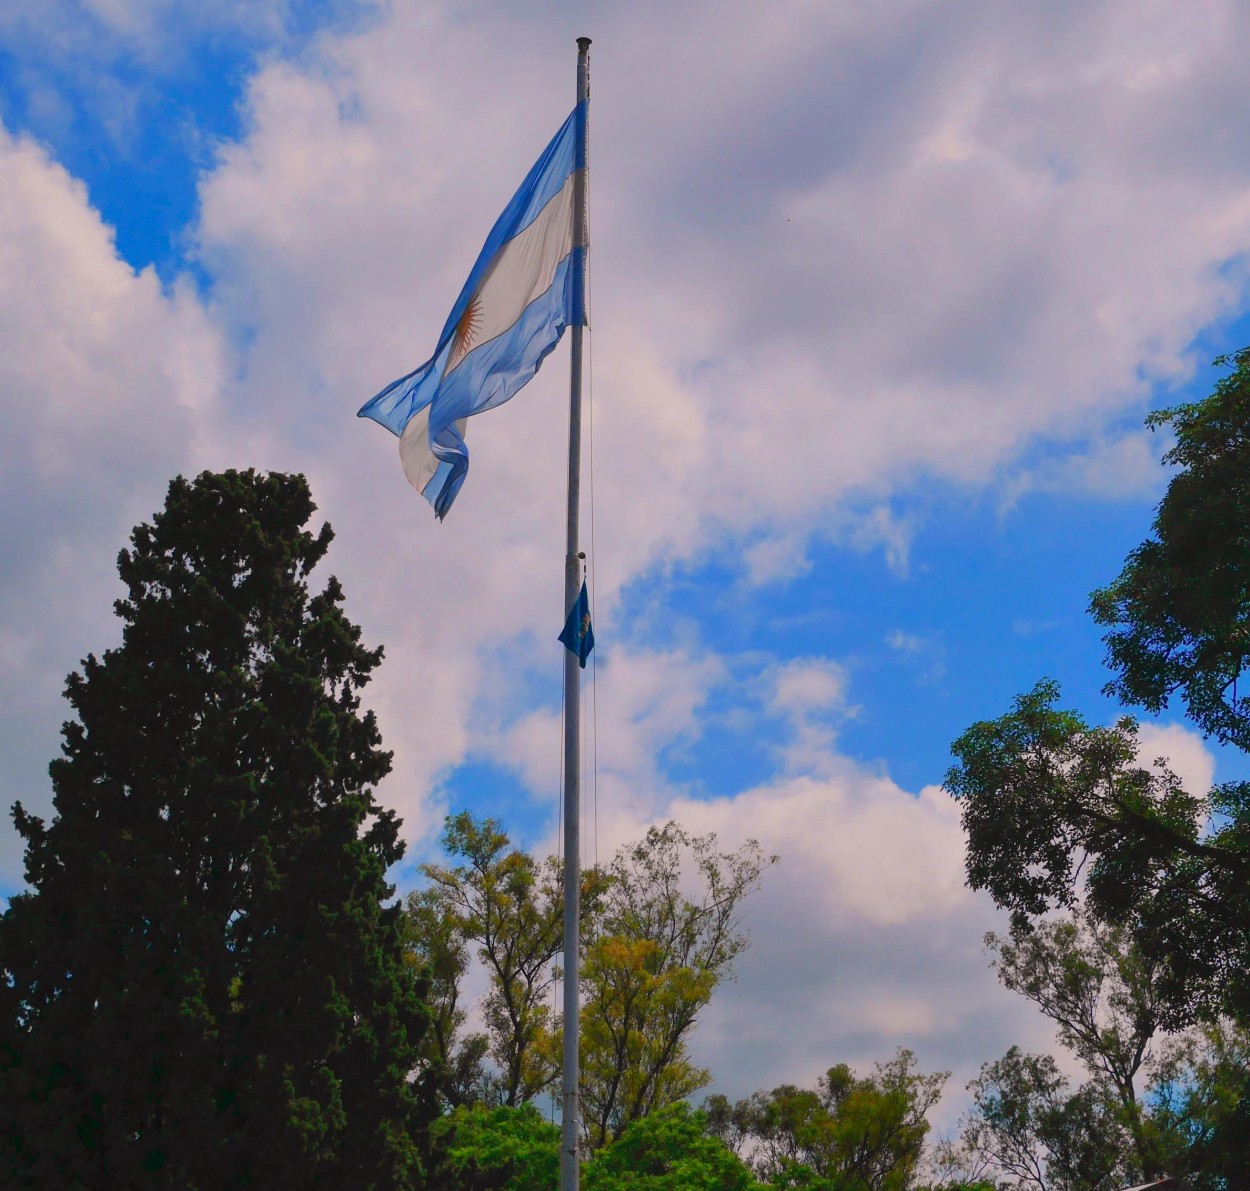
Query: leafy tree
point(1153, 1104)
point(516, 1149)
point(512, 907)
point(651, 971)
point(849, 1134)
point(652, 958)
point(1056, 809)
point(669, 1150)
point(1025, 1124)
point(439, 949)
point(1100, 990)
point(959, 1184)
point(500, 1149)
point(1199, 1102)
point(202, 985)
point(1049, 802)
point(1178, 615)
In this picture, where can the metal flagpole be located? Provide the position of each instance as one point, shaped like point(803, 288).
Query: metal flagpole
point(569, 1171)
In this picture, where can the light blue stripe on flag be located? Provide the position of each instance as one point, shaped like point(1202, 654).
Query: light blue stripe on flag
point(524, 289)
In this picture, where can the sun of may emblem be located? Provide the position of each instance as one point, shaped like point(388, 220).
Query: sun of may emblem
point(466, 328)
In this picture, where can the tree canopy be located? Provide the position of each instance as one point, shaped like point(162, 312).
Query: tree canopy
point(662, 926)
point(1063, 814)
point(203, 984)
point(1101, 992)
point(512, 908)
point(1054, 807)
point(849, 1133)
point(661, 949)
point(1178, 615)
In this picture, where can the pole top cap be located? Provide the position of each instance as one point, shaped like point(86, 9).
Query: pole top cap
point(583, 43)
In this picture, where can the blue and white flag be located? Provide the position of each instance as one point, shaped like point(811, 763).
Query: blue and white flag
point(526, 287)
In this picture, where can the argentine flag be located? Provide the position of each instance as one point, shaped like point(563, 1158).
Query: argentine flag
point(525, 288)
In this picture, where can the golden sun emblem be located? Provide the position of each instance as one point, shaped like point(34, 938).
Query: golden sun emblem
point(466, 331)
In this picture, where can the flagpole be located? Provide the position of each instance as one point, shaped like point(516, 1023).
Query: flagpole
point(569, 1167)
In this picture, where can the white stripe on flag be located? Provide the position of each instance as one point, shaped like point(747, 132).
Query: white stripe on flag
point(420, 463)
point(523, 268)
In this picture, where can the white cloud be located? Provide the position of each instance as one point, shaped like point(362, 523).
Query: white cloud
point(1124, 468)
point(855, 310)
point(811, 694)
point(905, 642)
point(927, 651)
point(1182, 750)
point(808, 685)
point(864, 937)
point(642, 703)
point(158, 33)
point(107, 380)
point(776, 558)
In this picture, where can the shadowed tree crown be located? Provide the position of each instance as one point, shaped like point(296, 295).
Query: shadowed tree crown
point(202, 985)
point(1178, 614)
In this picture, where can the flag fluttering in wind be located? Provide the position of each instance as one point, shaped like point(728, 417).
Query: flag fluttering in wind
point(578, 637)
point(525, 288)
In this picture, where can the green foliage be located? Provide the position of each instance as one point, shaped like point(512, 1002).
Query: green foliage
point(512, 907)
point(958, 1185)
point(652, 957)
point(1048, 800)
point(1025, 1124)
point(501, 899)
point(669, 1150)
point(500, 1149)
point(1099, 989)
point(651, 971)
point(1101, 992)
point(849, 1134)
point(438, 949)
point(1199, 1102)
point(1059, 813)
point(201, 986)
point(516, 1149)
point(1179, 612)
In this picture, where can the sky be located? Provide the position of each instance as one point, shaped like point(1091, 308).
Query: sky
point(881, 294)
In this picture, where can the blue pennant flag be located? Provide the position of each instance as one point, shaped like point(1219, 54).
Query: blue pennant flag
point(578, 637)
point(525, 288)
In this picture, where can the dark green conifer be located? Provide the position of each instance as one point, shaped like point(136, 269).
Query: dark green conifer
point(202, 986)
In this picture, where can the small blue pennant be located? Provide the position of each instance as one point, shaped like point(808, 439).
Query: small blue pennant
point(578, 637)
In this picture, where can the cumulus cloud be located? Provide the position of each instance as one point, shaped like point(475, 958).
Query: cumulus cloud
point(1181, 750)
point(864, 937)
point(647, 702)
point(858, 260)
point(106, 378)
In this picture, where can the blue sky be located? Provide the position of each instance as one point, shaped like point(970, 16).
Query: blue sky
point(880, 301)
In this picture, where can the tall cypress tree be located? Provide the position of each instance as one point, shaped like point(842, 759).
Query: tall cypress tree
point(202, 986)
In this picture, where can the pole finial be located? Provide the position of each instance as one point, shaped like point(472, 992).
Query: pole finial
point(583, 44)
